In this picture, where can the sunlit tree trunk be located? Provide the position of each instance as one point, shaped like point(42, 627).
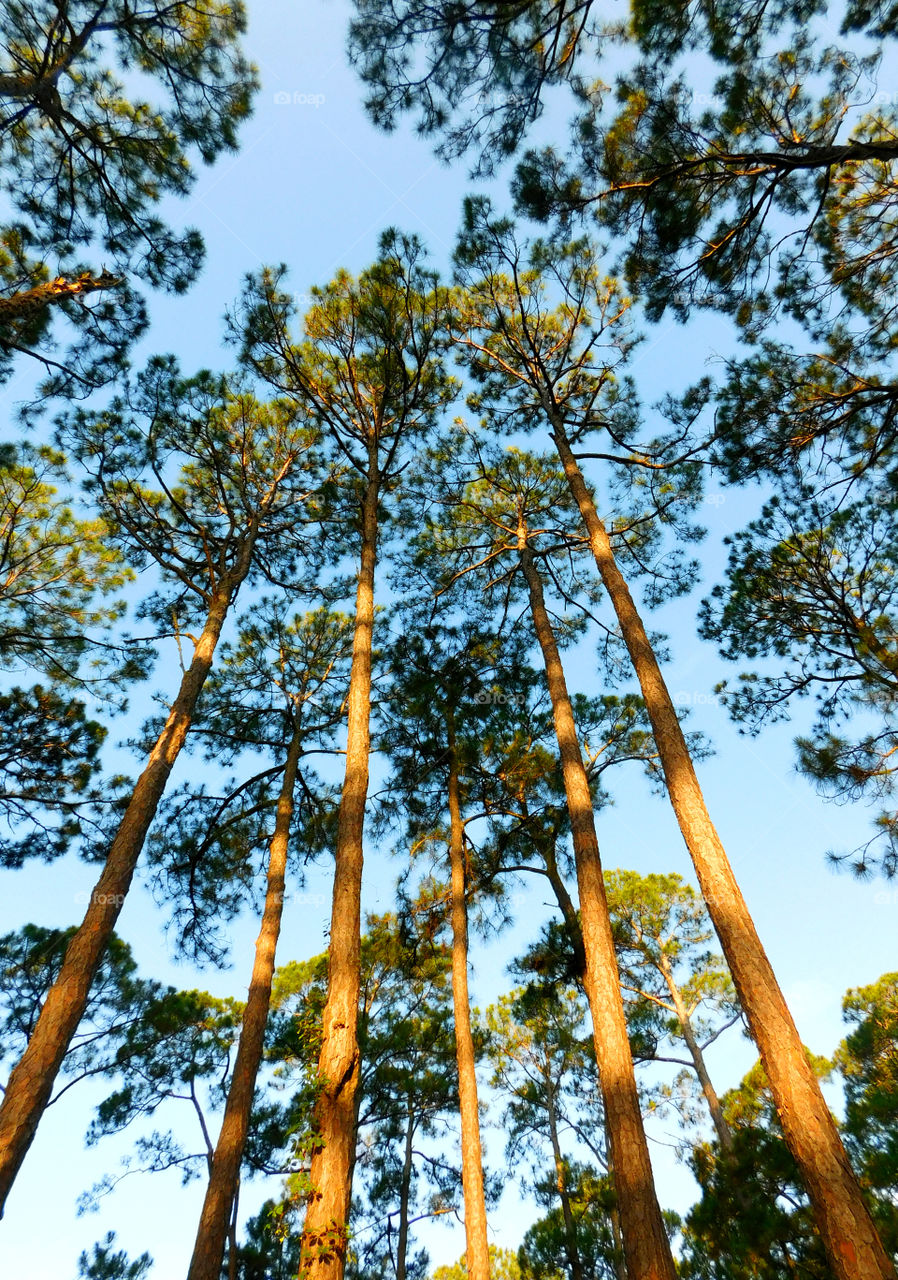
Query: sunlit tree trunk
point(31, 1082)
point(324, 1238)
point(646, 1247)
point(224, 1178)
point(854, 1249)
point(476, 1240)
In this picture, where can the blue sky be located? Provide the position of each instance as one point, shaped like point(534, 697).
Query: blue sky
point(313, 186)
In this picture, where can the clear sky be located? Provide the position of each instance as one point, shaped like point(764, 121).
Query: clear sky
point(313, 186)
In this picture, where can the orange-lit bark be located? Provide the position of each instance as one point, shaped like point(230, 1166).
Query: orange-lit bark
point(224, 1176)
point(853, 1247)
point(324, 1238)
point(476, 1241)
point(646, 1247)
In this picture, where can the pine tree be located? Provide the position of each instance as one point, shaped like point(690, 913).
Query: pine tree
point(83, 164)
point(370, 373)
point(509, 518)
point(235, 510)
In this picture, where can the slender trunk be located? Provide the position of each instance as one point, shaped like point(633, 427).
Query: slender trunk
point(405, 1188)
point(32, 1079)
point(324, 1237)
point(854, 1249)
point(224, 1179)
point(567, 909)
point(646, 1246)
point(575, 933)
point(724, 1133)
point(570, 1233)
point(477, 1249)
point(619, 1262)
point(232, 1238)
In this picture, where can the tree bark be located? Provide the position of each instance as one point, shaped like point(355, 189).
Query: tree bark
point(477, 1249)
point(33, 1077)
point(23, 305)
point(224, 1179)
point(853, 1247)
point(324, 1237)
point(646, 1247)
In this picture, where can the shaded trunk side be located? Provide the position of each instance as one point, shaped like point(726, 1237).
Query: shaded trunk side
point(224, 1178)
point(567, 1215)
point(31, 1082)
point(646, 1246)
point(405, 1188)
point(853, 1247)
point(476, 1239)
point(324, 1237)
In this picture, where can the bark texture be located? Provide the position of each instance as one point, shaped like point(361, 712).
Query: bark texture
point(646, 1247)
point(31, 1082)
point(224, 1177)
point(853, 1247)
point(324, 1237)
point(476, 1240)
point(23, 305)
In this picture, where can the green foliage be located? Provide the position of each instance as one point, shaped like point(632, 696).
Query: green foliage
point(199, 478)
point(867, 1061)
point(813, 587)
point(503, 1266)
point(753, 1221)
point(55, 569)
point(103, 1264)
point(369, 369)
point(543, 1254)
point(475, 76)
point(181, 1045)
point(86, 159)
point(408, 1086)
point(283, 675)
point(672, 982)
point(48, 757)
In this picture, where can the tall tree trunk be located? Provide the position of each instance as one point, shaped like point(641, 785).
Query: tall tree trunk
point(646, 1246)
point(575, 934)
point(224, 1178)
point(567, 1216)
point(724, 1133)
point(405, 1188)
point(477, 1249)
point(853, 1247)
point(31, 1082)
point(324, 1237)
